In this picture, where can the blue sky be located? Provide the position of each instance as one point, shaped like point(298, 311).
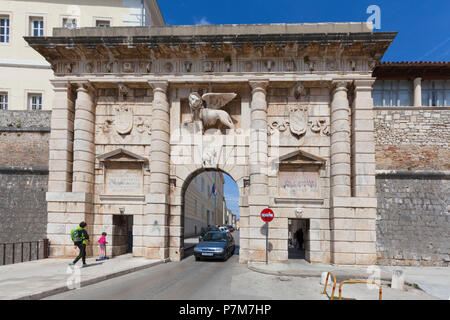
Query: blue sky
point(231, 193)
point(423, 26)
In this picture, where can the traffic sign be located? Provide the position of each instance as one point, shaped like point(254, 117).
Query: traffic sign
point(267, 215)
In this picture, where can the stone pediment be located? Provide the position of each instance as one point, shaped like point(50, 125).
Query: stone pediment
point(300, 157)
point(121, 155)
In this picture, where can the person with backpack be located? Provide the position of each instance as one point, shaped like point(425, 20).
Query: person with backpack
point(80, 238)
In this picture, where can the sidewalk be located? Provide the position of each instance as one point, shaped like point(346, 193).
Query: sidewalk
point(190, 242)
point(42, 278)
point(435, 281)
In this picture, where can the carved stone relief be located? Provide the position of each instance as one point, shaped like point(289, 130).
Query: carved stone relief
point(298, 120)
point(123, 122)
point(128, 67)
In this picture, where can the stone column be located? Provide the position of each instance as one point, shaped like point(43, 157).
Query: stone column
point(156, 229)
point(417, 92)
point(61, 139)
point(258, 139)
point(353, 205)
point(60, 166)
point(340, 142)
point(67, 208)
point(84, 147)
point(363, 140)
point(258, 190)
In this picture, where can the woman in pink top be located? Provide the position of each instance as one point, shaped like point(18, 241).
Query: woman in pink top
point(102, 243)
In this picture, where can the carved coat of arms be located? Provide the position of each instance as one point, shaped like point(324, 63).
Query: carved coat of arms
point(123, 120)
point(298, 119)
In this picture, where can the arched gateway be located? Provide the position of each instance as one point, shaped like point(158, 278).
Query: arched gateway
point(286, 110)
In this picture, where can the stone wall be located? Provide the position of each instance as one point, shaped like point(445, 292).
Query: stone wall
point(413, 219)
point(24, 145)
point(412, 152)
point(412, 138)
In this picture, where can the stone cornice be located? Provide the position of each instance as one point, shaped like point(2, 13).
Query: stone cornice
point(207, 53)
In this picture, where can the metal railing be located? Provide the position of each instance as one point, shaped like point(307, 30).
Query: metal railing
point(17, 252)
point(380, 295)
point(326, 284)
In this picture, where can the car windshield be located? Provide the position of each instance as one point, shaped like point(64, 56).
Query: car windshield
point(215, 236)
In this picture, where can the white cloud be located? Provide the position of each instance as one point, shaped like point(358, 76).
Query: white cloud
point(203, 21)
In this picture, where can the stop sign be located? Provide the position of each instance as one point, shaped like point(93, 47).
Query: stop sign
point(267, 215)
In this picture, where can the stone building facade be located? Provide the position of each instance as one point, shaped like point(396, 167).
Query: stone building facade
point(412, 163)
point(25, 82)
point(128, 133)
point(201, 206)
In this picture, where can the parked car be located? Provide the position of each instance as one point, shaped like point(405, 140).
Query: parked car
point(215, 245)
point(230, 227)
point(208, 229)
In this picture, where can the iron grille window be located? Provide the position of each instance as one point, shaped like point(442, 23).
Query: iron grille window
point(435, 93)
point(3, 101)
point(4, 30)
point(392, 93)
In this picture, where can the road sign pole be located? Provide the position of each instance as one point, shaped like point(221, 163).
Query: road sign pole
point(267, 242)
point(267, 216)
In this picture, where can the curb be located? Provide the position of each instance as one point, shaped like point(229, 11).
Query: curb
point(311, 274)
point(51, 292)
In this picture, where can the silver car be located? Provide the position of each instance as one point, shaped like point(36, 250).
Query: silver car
point(215, 245)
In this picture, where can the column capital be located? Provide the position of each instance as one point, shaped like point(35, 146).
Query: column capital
point(258, 84)
point(363, 84)
point(60, 85)
point(159, 85)
point(339, 85)
point(83, 86)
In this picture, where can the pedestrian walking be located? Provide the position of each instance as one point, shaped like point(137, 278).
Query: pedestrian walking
point(299, 236)
point(102, 244)
point(80, 238)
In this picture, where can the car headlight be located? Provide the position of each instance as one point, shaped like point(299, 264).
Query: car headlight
point(218, 249)
point(197, 249)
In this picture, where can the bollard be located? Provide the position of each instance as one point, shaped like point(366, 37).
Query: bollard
point(398, 280)
point(323, 278)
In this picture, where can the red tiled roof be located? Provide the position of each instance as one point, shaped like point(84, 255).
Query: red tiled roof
point(419, 63)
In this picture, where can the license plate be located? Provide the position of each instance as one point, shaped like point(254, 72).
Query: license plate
point(207, 254)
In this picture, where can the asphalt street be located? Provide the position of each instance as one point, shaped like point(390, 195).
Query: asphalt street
point(188, 279)
point(218, 280)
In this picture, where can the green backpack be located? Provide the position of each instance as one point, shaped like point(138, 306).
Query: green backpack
point(76, 235)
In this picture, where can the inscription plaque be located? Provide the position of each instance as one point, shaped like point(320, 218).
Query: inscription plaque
point(299, 183)
point(124, 179)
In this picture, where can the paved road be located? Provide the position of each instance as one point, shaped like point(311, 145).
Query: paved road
point(218, 280)
point(188, 279)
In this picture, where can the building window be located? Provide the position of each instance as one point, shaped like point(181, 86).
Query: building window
point(102, 23)
point(4, 29)
point(35, 102)
point(70, 23)
point(392, 93)
point(195, 207)
point(3, 101)
point(435, 93)
point(37, 26)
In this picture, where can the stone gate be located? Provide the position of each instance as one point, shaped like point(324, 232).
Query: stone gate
point(284, 109)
